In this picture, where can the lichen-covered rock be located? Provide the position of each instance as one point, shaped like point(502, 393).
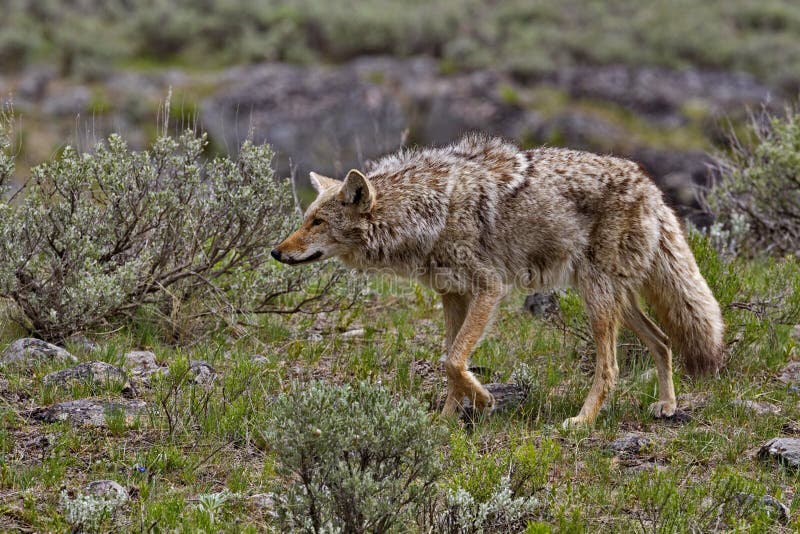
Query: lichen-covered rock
point(89, 412)
point(773, 506)
point(631, 443)
point(108, 489)
point(30, 351)
point(506, 397)
point(785, 450)
point(141, 365)
point(99, 374)
point(758, 407)
point(790, 374)
point(204, 374)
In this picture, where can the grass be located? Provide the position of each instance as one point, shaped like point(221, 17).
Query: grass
point(198, 458)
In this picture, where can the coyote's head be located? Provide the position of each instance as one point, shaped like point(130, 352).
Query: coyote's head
point(334, 223)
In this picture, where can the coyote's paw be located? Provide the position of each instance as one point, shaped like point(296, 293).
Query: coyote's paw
point(575, 422)
point(663, 409)
point(484, 401)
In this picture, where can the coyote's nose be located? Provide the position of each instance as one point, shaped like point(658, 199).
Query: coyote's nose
point(276, 254)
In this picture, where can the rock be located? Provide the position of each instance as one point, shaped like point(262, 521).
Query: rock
point(773, 506)
point(259, 358)
point(643, 467)
point(95, 373)
point(33, 83)
point(29, 351)
point(692, 401)
point(784, 450)
point(541, 304)
point(356, 332)
point(89, 412)
point(204, 374)
point(580, 130)
point(631, 443)
point(506, 397)
point(662, 93)
point(142, 364)
point(263, 500)
point(108, 489)
point(320, 118)
point(758, 407)
point(790, 374)
point(68, 101)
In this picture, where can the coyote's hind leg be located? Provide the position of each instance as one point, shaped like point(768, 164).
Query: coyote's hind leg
point(604, 319)
point(658, 345)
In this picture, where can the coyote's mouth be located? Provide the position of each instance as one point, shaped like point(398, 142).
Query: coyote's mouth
point(291, 261)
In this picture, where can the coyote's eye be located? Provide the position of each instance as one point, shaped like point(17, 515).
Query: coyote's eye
point(317, 222)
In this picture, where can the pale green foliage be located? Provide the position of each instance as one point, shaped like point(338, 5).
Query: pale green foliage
point(97, 236)
point(520, 35)
point(501, 512)
point(757, 199)
point(87, 513)
point(352, 458)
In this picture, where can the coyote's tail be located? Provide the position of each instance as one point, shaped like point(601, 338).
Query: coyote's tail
point(683, 302)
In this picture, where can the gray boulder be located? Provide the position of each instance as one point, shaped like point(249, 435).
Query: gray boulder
point(316, 118)
point(89, 412)
point(631, 443)
point(68, 101)
point(93, 373)
point(661, 93)
point(786, 451)
point(30, 351)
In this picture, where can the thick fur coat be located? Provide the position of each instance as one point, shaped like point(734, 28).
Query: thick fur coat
point(477, 217)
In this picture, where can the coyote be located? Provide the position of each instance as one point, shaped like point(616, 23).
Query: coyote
point(473, 219)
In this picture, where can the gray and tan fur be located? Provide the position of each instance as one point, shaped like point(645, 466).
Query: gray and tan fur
point(475, 218)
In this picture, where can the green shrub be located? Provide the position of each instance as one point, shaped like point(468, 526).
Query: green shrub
point(352, 458)
point(98, 237)
point(757, 199)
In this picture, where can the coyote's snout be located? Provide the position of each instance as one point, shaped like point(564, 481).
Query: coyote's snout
point(475, 218)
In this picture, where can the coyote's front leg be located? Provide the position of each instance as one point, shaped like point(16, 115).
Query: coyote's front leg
point(465, 320)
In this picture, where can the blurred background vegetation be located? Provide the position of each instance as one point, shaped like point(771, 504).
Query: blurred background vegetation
point(662, 82)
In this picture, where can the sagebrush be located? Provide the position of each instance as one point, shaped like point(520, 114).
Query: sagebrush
point(352, 458)
point(95, 237)
point(756, 201)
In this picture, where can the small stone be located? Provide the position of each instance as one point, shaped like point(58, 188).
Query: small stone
point(506, 397)
point(28, 351)
point(758, 407)
point(356, 332)
point(204, 374)
point(541, 304)
point(631, 443)
point(773, 506)
point(259, 358)
point(142, 365)
point(692, 401)
point(95, 373)
point(108, 489)
point(790, 374)
point(315, 336)
point(796, 331)
point(266, 501)
point(784, 450)
point(89, 412)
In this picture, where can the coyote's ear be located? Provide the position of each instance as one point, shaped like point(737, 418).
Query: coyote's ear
point(357, 191)
point(323, 183)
